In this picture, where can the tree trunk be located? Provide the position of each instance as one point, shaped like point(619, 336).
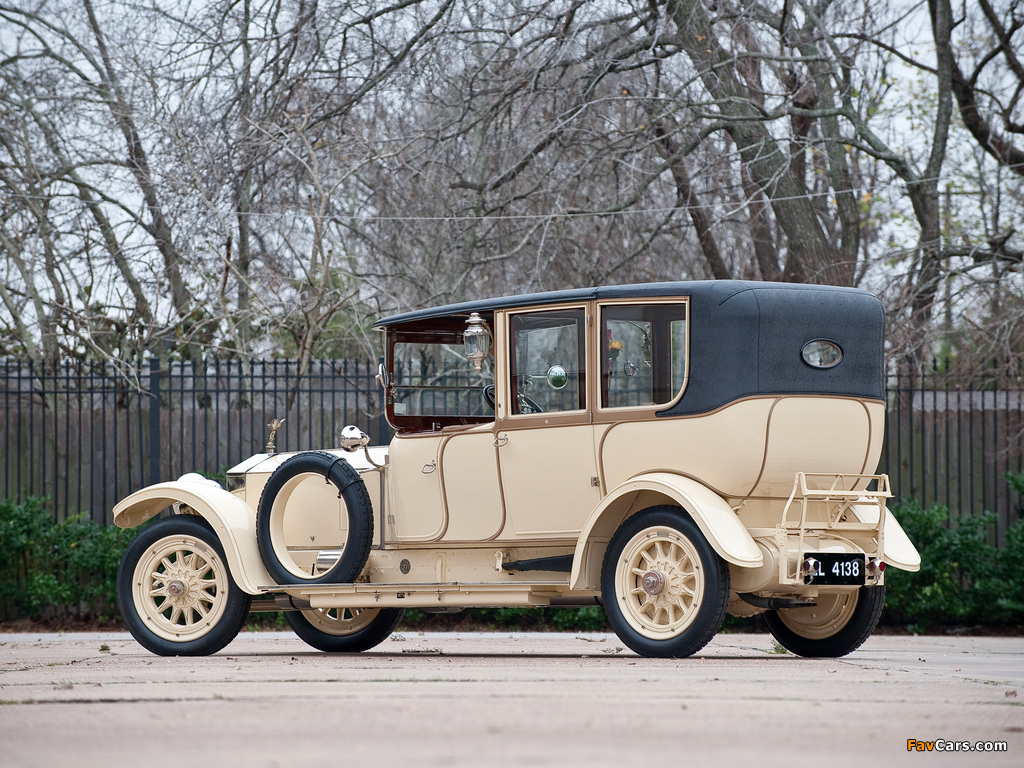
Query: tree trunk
point(766, 161)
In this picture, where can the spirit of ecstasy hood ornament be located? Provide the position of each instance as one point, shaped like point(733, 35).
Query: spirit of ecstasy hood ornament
point(273, 426)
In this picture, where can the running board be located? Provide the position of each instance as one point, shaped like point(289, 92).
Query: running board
point(455, 594)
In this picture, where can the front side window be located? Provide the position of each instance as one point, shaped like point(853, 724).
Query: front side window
point(433, 383)
point(548, 371)
point(643, 354)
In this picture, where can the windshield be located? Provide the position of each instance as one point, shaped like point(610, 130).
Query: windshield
point(432, 382)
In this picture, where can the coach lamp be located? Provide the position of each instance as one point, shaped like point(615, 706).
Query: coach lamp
point(477, 340)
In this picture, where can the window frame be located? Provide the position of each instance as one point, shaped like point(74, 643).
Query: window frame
point(617, 412)
point(507, 369)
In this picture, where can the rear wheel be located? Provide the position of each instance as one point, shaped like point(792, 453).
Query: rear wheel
point(344, 630)
point(836, 626)
point(176, 594)
point(664, 587)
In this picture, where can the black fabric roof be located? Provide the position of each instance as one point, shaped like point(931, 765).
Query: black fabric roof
point(714, 290)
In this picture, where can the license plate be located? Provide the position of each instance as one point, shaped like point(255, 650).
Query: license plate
point(836, 568)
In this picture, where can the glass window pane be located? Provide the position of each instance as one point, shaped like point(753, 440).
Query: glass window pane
point(548, 363)
point(628, 364)
point(437, 380)
point(644, 354)
point(677, 337)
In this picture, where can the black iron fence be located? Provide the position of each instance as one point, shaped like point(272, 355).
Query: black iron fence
point(87, 435)
point(954, 444)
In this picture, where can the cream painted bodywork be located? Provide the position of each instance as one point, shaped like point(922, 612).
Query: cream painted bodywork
point(452, 507)
point(474, 507)
point(548, 481)
point(233, 514)
point(713, 515)
point(232, 519)
point(749, 448)
point(450, 516)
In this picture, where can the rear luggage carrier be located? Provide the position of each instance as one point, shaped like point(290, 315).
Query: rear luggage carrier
point(844, 507)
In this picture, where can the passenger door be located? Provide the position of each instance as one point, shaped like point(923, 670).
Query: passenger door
point(545, 439)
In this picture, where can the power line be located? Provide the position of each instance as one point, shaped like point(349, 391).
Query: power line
point(734, 205)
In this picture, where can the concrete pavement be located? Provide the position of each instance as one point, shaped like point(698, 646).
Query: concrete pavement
point(500, 699)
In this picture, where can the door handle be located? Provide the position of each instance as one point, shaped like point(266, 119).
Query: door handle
point(500, 440)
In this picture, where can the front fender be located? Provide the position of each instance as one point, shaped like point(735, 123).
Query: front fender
point(713, 515)
point(232, 520)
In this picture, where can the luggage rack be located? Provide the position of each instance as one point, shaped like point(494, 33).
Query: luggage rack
point(844, 506)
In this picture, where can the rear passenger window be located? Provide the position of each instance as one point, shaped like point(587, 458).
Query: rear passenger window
point(643, 354)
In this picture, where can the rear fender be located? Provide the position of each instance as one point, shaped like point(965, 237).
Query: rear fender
point(897, 548)
point(232, 520)
point(713, 515)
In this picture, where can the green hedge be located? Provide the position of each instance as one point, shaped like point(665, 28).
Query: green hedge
point(964, 580)
point(67, 570)
point(51, 570)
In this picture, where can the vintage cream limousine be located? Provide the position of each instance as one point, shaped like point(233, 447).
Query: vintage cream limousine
point(671, 451)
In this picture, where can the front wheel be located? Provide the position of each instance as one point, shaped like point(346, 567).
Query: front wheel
point(839, 623)
point(344, 630)
point(176, 594)
point(664, 587)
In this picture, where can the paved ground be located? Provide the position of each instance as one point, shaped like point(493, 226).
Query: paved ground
point(453, 699)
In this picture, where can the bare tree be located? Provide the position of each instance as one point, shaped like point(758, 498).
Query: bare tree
point(262, 177)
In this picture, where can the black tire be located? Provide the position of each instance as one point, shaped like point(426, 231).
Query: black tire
point(839, 624)
point(680, 619)
point(175, 590)
point(344, 630)
point(354, 534)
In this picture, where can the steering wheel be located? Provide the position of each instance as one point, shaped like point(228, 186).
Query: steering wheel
point(526, 405)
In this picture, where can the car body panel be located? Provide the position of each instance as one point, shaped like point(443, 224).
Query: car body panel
point(713, 515)
point(231, 518)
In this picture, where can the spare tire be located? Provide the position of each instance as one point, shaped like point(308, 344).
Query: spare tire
point(314, 521)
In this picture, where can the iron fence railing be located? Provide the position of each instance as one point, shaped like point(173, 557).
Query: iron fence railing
point(953, 444)
point(87, 435)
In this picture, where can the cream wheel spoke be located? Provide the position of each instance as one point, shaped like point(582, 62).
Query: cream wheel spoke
point(660, 582)
point(180, 588)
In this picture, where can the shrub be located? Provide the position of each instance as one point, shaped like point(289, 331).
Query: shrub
point(54, 569)
point(963, 580)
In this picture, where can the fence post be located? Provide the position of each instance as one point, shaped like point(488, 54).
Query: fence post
point(154, 420)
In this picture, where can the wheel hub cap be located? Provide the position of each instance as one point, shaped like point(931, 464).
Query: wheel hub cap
point(175, 588)
point(183, 588)
point(653, 582)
